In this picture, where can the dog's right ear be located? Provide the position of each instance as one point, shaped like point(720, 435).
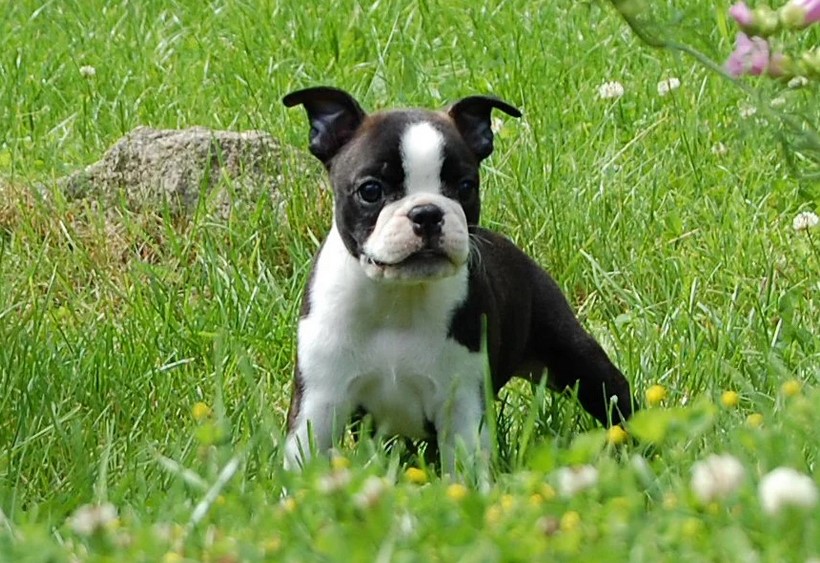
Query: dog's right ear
point(334, 116)
point(472, 118)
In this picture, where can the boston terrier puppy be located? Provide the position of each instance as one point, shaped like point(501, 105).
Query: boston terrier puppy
point(409, 300)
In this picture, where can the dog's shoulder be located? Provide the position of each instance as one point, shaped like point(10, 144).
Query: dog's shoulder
point(499, 287)
point(492, 251)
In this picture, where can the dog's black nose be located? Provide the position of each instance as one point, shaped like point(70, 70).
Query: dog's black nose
point(427, 219)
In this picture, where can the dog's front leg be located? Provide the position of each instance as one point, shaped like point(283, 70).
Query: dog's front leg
point(462, 435)
point(319, 422)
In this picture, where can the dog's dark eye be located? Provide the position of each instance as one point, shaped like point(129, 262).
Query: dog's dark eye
point(466, 189)
point(371, 191)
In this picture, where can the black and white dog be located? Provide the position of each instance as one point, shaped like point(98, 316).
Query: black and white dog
point(392, 316)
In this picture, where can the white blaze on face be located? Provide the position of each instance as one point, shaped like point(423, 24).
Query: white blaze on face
point(394, 239)
point(422, 155)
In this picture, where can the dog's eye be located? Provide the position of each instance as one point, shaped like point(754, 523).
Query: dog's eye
point(466, 189)
point(371, 191)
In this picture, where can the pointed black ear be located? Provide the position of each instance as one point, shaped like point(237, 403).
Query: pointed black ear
point(334, 116)
point(472, 117)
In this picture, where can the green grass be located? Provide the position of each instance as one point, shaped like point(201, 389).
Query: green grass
point(114, 323)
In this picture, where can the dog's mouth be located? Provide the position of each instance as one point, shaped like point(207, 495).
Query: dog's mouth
point(424, 256)
point(422, 265)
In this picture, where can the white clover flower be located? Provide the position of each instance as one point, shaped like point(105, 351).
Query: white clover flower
point(88, 71)
point(90, 518)
point(805, 220)
point(610, 90)
point(163, 531)
point(798, 82)
point(719, 149)
point(778, 102)
point(334, 481)
point(371, 493)
point(747, 111)
point(572, 480)
point(717, 477)
point(641, 466)
point(406, 525)
point(786, 487)
point(666, 86)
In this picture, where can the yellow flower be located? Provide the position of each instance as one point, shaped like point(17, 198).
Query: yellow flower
point(655, 395)
point(791, 388)
point(288, 504)
point(620, 504)
point(536, 499)
point(570, 520)
point(616, 436)
point(339, 462)
point(730, 399)
point(754, 420)
point(271, 545)
point(457, 492)
point(493, 515)
point(507, 502)
point(172, 557)
point(416, 475)
point(200, 411)
point(691, 527)
point(547, 492)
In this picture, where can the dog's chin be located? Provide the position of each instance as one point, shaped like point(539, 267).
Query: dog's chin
point(419, 267)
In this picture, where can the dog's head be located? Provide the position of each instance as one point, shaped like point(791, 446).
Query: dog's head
point(405, 182)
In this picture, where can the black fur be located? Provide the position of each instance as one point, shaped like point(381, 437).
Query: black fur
point(472, 118)
point(380, 133)
point(530, 326)
point(334, 116)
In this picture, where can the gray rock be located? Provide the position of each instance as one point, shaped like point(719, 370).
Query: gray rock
point(156, 167)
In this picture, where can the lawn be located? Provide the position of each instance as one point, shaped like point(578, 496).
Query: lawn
point(146, 357)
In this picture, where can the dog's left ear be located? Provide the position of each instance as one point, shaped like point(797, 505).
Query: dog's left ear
point(472, 118)
point(334, 117)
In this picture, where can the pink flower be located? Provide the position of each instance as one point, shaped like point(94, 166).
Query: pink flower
point(751, 56)
point(743, 14)
point(801, 13)
point(762, 21)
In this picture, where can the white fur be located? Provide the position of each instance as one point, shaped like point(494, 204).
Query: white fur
point(384, 347)
point(393, 239)
point(422, 155)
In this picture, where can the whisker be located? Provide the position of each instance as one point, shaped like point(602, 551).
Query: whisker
point(474, 257)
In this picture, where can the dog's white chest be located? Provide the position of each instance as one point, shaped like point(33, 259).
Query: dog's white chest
point(383, 347)
point(402, 375)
